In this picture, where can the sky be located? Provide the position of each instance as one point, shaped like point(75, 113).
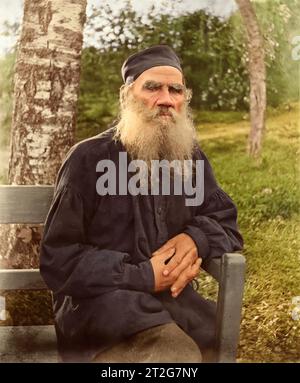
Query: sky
point(12, 11)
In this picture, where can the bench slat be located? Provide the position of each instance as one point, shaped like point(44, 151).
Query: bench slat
point(24, 203)
point(18, 279)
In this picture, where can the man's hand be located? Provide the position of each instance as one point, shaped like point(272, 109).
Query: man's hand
point(158, 263)
point(182, 268)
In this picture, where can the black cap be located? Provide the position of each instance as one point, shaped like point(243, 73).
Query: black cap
point(157, 55)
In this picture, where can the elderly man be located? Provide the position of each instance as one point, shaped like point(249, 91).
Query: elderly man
point(121, 257)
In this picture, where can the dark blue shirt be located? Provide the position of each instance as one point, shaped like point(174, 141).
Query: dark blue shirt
point(95, 253)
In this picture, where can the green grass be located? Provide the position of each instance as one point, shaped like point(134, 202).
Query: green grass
point(207, 116)
point(267, 194)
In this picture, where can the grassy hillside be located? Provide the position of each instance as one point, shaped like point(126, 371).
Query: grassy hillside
point(267, 194)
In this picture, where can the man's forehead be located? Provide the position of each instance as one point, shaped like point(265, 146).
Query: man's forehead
point(161, 74)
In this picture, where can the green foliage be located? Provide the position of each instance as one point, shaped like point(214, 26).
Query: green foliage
point(213, 52)
point(210, 51)
point(99, 87)
point(279, 21)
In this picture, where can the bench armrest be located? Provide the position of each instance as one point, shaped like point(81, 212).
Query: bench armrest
point(229, 271)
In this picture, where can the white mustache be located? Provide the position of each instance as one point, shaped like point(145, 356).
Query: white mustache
point(147, 136)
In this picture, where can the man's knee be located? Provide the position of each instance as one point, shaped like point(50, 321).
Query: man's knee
point(174, 345)
point(166, 343)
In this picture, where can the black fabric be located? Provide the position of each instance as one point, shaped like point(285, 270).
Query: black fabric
point(95, 253)
point(158, 55)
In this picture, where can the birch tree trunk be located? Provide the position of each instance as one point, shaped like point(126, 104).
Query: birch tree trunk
point(46, 84)
point(257, 73)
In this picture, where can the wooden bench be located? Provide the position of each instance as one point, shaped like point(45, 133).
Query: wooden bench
point(30, 204)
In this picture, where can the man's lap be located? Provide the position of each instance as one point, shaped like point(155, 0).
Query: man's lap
point(98, 323)
point(166, 343)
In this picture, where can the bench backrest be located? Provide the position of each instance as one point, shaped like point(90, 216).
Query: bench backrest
point(23, 204)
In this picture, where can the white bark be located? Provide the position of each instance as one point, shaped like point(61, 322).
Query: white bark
point(257, 73)
point(46, 85)
point(46, 89)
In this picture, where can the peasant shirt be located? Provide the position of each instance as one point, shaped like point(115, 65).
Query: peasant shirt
point(96, 249)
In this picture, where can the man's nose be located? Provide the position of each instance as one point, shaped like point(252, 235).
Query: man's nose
point(164, 99)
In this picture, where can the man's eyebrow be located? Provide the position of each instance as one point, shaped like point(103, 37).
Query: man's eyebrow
point(155, 84)
point(177, 86)
point(152, 84)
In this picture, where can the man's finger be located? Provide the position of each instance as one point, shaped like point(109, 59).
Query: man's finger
point(185, 263)
point(163, 248)
point(179, 285)
point(174, 263)
point(195, 268)
point(166, 255)
point(187, 276)
point(198, 263)
point(178, 258)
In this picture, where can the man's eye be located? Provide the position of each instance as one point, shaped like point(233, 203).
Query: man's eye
point(176, 90)
point(152, 88)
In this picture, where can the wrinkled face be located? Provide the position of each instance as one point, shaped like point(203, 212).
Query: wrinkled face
point(160, 87)
point(155, 120)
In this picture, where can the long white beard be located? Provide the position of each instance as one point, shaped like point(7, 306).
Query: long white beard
point(148, 136)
